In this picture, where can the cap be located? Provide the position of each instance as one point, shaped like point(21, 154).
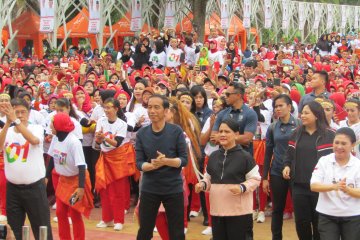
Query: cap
point(211, 81)
point(224, 77)
point(166, 84)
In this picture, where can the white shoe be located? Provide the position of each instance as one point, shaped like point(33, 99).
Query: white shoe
point(103, 224)
point(185, 230)
point(255, 215)
point(261, 217)
point(70, 221)
point(3, 218)
point(118, 226)
point(207, 231)
point(55, 219)
point(194, 214)
point(126, 212)
point(53, 207)
point(155, 229)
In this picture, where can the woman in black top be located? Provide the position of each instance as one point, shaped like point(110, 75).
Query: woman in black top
point(306, 146)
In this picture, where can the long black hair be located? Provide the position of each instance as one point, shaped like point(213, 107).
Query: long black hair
point(64, 102)
point(318, 111)
point(195, 90)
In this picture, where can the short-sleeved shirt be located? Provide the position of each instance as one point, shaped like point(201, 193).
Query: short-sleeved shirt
point(311, 97)
point(246, 118)
point(24, 162)
point(68, 155)
point(111, 130)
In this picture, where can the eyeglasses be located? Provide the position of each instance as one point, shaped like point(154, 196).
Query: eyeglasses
point(227, 94)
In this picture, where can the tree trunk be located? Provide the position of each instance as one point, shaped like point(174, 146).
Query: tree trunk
point(199, 12)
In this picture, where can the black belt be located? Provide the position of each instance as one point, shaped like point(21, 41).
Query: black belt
point(31, 185)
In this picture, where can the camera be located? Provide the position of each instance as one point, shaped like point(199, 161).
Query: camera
point(3, 232)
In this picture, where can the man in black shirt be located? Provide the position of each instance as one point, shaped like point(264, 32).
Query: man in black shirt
point(161, 153)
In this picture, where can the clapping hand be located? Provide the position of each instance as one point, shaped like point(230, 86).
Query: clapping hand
point(159, 161)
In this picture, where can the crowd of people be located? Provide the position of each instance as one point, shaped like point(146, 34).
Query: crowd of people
point(175, 127)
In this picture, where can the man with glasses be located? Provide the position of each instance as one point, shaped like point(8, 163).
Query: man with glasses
point(245, 116)
point(24, 169)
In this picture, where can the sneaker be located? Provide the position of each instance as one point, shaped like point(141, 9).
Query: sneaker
point(155, 229)
point(3, 218)
point(70, 221)
point(207, 231)
point(261, 217)
point(118, 226)
point(185, 230)
point(255, 215)
point(194, 214)
point(55, 219)
point(53, 207)
point(103, 224)
point(125, 211)
point(287, 216)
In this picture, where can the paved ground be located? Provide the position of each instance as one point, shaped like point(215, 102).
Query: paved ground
point(261, 230)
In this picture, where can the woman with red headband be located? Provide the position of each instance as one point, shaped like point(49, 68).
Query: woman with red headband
point(73, 196)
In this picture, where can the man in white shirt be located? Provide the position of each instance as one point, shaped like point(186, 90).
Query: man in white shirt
point(22, 144)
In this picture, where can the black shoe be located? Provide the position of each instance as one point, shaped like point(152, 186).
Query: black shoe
point(206, 222)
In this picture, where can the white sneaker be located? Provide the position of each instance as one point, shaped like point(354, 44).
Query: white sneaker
point(155, 229)
point(3, 218)
point(207, 231)
point(255, 215)
point(261, 217)
point(55, 219)
point(185, 230)
point(194, 214)
point(118, 226)
point(53, 207)
point(126, 212)
point(103, 224)
point(70, 221)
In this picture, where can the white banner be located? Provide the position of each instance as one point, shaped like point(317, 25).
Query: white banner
point(94, 16)
point(135, 16)
point(285, 13)
point(267, 14)
point(330, 18)
point(302, 19)
point(356, 17)
point(247, 14)
point(47, 15)
point(317, 15)
point(170, 14)
point(343, 16)
point(224, 11)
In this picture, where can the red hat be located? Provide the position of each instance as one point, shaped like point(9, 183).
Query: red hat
point(63, 123)
point(261, 78)
point(122, 92)
point(166, 84)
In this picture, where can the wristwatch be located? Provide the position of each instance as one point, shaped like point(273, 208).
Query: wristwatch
point(17, 122)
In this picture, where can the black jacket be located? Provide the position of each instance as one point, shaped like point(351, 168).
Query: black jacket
point(231, 166)
point(324, 146)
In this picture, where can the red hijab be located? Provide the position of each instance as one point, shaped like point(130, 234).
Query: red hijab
point(86, 107)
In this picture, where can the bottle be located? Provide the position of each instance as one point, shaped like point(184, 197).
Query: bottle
point(26, 233)
point(43, 233)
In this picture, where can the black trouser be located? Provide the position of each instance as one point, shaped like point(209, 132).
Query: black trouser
point(91, 157)
point(279, 188)
point(232, 228)
point(332, 228)
point(30, 200)
point(202, 194)
point(306, 217)
point(148, 210)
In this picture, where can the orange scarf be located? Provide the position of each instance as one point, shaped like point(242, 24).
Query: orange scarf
point(114, 165)
point(67, 186)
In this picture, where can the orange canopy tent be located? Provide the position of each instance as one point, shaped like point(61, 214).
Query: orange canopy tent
point(79, 29)
point(236, 27)
point(4, 37)
point(122, 28)
point(28, 25)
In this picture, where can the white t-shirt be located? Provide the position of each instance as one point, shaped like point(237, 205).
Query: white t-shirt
point(209, 148)
point(68, 155)
point(158, 59)
point(111, 130)
point(216, 57)
point(87, 137)
point(190, 56)
point(77, 131)
point(337, 203)
point(36, 118)
point(173, 57)
point(24, 163)
point(97, 113)
point(131, 121)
